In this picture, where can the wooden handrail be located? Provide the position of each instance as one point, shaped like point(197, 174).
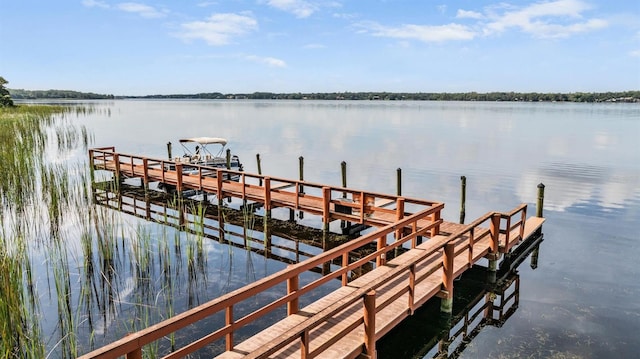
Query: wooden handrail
point(159, 330)
point(125, 157)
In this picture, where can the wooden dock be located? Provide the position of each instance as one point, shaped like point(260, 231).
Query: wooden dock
point(346, 322)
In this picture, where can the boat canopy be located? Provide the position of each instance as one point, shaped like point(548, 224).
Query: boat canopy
point(205, 140)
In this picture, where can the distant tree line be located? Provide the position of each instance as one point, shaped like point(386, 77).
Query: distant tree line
point(624, 96)
point(56, 94)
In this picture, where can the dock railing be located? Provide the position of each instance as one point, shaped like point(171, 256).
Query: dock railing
point(132, 344)
point(330, 202)
point(442, 246)
point(440, 251)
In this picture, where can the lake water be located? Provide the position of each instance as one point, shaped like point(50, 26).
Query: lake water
point(581, 301)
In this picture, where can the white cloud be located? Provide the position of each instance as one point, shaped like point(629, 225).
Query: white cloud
point(463, 14)
point(299, 8)
point(425, 33)
point(141, 9)
point(314, 46)
point(442, 8)
point(218, 29)
point(635, 53)
point(95, 3)
point(269, 61)
point(551, 19)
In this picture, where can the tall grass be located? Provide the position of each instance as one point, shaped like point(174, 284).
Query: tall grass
point(23, 138)
point(75, 275)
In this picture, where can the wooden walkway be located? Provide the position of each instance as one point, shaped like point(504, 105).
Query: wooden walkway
point(346, 322)
point(330, 202)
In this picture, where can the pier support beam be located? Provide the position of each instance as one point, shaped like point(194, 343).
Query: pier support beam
point(370, 325)
point(446, 304)
point(267, 197)
point(494, 254)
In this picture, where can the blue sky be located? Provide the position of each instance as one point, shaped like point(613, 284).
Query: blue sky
point(139, 47)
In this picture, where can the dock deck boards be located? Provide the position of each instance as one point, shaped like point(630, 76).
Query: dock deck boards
point(350, 345)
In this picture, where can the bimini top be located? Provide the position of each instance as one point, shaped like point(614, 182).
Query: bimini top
point(205, 140)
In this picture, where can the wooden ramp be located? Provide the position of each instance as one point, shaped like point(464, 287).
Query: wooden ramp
point(376, 294)
point(336, 330)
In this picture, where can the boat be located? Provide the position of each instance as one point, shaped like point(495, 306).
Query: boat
point(197, 152)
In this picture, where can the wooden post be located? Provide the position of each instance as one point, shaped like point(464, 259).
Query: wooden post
point(494, 246)
point(301, 170)
point(463, 197)
point(540, 204)
point(534, 257)
point(228, 318)
point(343, 171)
point(399, 180)
point(435, 217)
point(304, 344)
point(169, 150)
point(345, 263)
point(135, 353)
point(399, 216)
point(292, 286)
point(91, 167)
point(446, 304)
point(258, 162)
point(412, 287)
point(228, 159)
point(116, 159)
point(179, 178)
point(326, 201)
point(219, 192)
point(259, 167)
point(267, 237)
point(267, 197)
point(370, 324)
point(145, 178)
point(381, 258)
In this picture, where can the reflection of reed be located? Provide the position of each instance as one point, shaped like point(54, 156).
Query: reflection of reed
point(218, 224)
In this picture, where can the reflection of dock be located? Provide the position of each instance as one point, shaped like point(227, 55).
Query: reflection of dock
point(348, 321)
point(481, 301)
point(296, 242)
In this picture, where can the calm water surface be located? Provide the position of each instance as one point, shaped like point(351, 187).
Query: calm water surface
point(581, 301)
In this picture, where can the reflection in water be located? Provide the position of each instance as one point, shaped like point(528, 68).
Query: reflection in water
point(479, 301)
point(572, 185)
point(220, 241)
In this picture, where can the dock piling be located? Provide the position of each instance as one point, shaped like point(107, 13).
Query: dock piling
point(259, 167)
point(399, 180)
point(463, 197)
point(370, 325)
point(169, 150)
point(301, 171)
point(343, 170)
point(539, 205)
point(228, 159)
point(446, 304)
